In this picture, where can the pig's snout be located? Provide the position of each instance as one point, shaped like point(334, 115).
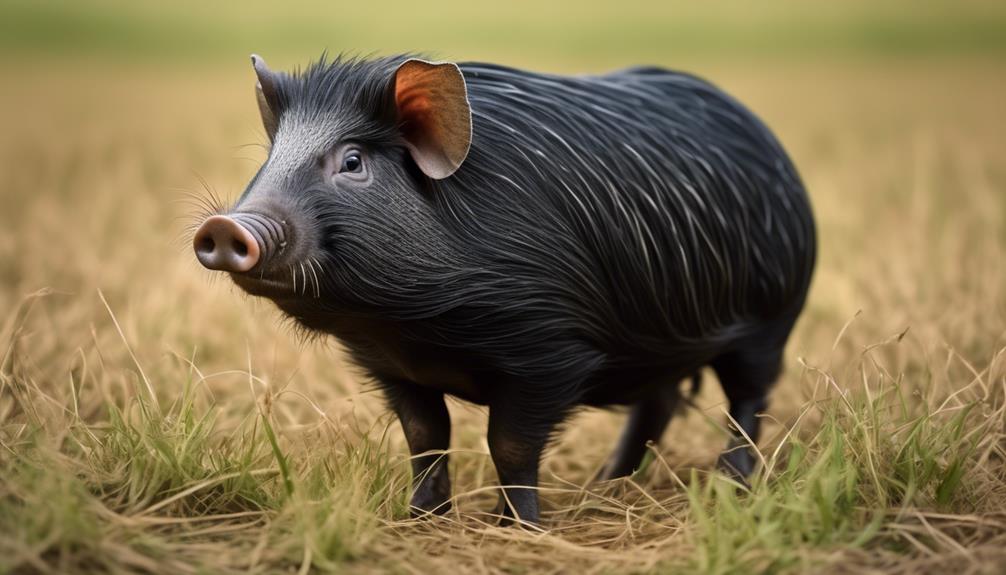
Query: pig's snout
point(223, 244)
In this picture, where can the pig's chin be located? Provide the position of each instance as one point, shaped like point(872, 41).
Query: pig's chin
point(267, 287)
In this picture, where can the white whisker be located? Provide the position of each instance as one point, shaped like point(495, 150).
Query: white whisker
point(317, 285)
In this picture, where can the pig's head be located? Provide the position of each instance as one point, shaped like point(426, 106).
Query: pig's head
point(341, 209)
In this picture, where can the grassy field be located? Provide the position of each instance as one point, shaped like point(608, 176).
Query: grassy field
point(153, 420)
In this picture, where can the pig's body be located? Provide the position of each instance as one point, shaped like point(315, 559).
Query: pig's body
point(605, 237)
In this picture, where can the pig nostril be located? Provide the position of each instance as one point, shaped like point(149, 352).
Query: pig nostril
point(221, 243)
point(206, 245)
point(239, 247)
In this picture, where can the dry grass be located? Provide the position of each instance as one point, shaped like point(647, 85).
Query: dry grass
point(182, 429)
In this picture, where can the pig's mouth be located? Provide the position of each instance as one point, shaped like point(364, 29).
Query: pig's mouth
point(264, 286)
point(300, 281)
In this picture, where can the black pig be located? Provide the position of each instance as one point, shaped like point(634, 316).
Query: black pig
point(524, 241)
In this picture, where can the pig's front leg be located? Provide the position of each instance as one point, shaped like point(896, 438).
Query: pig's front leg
point(517, 437)
point(427, 426)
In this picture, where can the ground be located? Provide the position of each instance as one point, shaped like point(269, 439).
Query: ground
point(153, 419)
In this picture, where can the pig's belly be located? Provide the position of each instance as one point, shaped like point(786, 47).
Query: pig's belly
point(627, 385)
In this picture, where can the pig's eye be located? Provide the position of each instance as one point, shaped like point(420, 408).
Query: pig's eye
point(345, 165)
point(352, 162)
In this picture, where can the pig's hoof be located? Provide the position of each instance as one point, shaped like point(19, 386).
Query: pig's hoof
point(509, 521)
point(738, 463)
point(425, 506)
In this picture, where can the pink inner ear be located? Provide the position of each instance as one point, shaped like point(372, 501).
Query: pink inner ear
point(435, 119)
point(416, 108)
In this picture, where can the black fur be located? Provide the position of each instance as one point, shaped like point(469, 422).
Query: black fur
point(606, 235)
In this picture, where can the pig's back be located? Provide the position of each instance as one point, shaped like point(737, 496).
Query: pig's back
point(647, 202)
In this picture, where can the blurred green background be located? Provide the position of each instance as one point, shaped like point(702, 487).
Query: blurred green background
point(589, 35)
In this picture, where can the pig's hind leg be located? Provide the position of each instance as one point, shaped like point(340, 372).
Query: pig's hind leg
point(647, 421)
point(746, 373)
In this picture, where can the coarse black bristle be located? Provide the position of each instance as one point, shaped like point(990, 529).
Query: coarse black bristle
point(643, 214)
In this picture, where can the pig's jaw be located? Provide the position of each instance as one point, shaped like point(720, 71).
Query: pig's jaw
point(267, 287)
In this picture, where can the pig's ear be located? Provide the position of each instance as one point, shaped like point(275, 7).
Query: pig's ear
point(265, 93)
point(435, 117)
